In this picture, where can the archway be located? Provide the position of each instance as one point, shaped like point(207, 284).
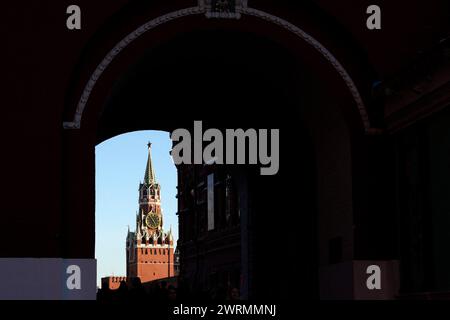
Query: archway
point(206, 69)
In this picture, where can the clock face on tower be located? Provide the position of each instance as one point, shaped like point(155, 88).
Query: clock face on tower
point(152, 220)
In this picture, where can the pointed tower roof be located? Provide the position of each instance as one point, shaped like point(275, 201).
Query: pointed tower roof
point(169, 234)
point(149, 177)
point(138, 234)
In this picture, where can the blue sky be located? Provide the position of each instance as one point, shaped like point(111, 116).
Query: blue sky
point(120, 166)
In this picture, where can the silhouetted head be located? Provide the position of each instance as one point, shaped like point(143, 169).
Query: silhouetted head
point(234, 294)
point(123, 286)
point(136, 282)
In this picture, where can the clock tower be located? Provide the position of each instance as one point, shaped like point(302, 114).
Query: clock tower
point(150, 250)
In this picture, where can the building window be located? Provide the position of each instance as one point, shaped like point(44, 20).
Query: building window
point(210, 202)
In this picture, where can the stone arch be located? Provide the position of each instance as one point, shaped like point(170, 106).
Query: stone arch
point(241, 10)
point(79, 142)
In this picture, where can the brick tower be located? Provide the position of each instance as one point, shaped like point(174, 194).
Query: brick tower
point(150, 251)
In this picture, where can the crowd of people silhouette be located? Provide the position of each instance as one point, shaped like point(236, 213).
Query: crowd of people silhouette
point(164, 293)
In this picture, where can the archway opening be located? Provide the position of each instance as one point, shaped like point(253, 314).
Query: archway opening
point(122, 163)
point(204, 76)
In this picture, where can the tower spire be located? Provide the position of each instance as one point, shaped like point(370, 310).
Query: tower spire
point(149, 177)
